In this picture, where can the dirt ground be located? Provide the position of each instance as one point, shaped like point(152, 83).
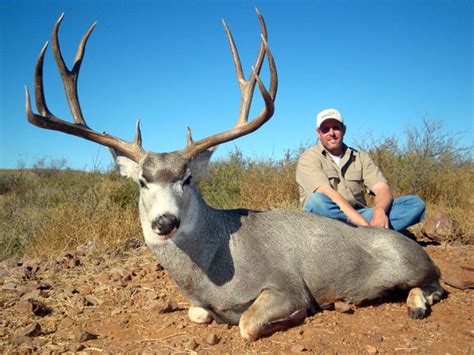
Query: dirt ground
point(128, 304)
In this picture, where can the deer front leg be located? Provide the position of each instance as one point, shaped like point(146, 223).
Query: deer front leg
point(271, 311)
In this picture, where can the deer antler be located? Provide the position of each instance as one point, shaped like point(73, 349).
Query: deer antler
point(243, 126)
point(45, 119)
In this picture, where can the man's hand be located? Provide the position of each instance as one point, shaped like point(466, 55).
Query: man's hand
point(383, 201)
point(354, 216)
point(379, 218)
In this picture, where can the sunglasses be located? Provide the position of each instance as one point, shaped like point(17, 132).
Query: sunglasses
point(326, 129)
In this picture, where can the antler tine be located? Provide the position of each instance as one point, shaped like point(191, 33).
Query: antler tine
point(45, 119)
point(70, 77)
point(247, 87)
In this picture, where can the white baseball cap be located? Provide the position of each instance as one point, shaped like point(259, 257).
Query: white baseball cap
point(327, 114)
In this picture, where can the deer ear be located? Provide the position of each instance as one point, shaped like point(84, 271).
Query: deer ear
point(126, 167)
point(199, 164)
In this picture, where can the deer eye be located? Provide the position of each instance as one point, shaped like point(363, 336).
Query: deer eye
point(142, 183)
point(187, 180)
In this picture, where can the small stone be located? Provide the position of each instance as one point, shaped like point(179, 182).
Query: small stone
point(86, 336)
point(30, 295)
point(161, 308)
point(9, 286)
point(376, 337)
point(22, 340)
point(343, 307)
point(32, 330)
point(212, 339)
point(371, 349)
point(116, 312)
point(298, 348)
point(77, 347)
point(191, 345)
point(102, 277)
point(152, 295)
point(67, 323)
point(69, 260)
point(86, 290)
point(126, 278)
point(31, 305)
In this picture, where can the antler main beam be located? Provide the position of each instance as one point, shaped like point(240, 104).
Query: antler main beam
point(247, 87)
point(133, 150)
point(45, 119)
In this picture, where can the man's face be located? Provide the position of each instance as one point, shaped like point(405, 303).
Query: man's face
point(330, 133)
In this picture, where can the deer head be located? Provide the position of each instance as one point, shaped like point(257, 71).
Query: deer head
point(165, 179)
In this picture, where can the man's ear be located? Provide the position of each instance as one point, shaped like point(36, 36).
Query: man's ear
point(126, 167)
point(318, 133)
point(199, 164)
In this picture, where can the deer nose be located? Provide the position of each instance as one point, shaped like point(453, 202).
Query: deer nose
point(164, 224)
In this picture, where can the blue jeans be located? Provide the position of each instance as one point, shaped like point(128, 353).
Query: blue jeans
point(404, 212)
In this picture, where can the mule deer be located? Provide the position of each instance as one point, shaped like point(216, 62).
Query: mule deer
point(265, 271)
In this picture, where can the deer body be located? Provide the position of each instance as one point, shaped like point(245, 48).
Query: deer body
point(262, 270)
point(224, 263)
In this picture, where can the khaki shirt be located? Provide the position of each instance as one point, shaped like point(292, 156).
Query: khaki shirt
point(356, 172)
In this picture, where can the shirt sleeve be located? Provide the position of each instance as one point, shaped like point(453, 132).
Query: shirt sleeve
point(310, 174)
point(371, 172)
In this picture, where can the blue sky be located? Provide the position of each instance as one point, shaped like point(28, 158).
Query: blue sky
point(383, 64)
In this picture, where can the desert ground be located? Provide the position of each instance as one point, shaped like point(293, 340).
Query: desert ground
point(126, 303)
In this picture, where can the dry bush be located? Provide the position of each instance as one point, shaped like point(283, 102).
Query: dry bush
point(220, 187)
point(269, 185)
point(62, 209)
point(430, 164)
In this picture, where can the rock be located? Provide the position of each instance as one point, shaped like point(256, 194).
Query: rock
point(22, 340)
point(102, 278)
point(86, 336)
point(76, 347)
point(31, 295)
point(32, 305)
point(191, 345)
point(152, 295)
point(371, 349)
point(298, 348)
point(438, 227)
point(343, 307)
point(32, 330)
point(126, 279)
point(161, 308)
point(116, 312)
point(9, 286)
point(212, 339)
point(69, 260)
point(376, 337)
point(458, 276)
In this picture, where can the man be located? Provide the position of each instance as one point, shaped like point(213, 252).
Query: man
point(332, 178)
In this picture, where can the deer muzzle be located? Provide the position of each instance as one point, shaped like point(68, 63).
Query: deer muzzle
point(165, 225)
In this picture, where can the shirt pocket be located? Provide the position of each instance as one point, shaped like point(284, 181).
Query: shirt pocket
point(355, 183)
point(332, 176)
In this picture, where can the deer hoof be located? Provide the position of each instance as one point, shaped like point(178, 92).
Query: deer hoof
point(417, 313)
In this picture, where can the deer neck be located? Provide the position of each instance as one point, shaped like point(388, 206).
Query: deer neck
point(202, 232)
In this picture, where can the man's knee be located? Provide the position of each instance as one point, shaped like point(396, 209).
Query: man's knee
point(319, 204)
point(415, 203)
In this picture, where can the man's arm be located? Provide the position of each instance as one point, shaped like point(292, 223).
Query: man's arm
point(345, 207)
point(383, 201)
